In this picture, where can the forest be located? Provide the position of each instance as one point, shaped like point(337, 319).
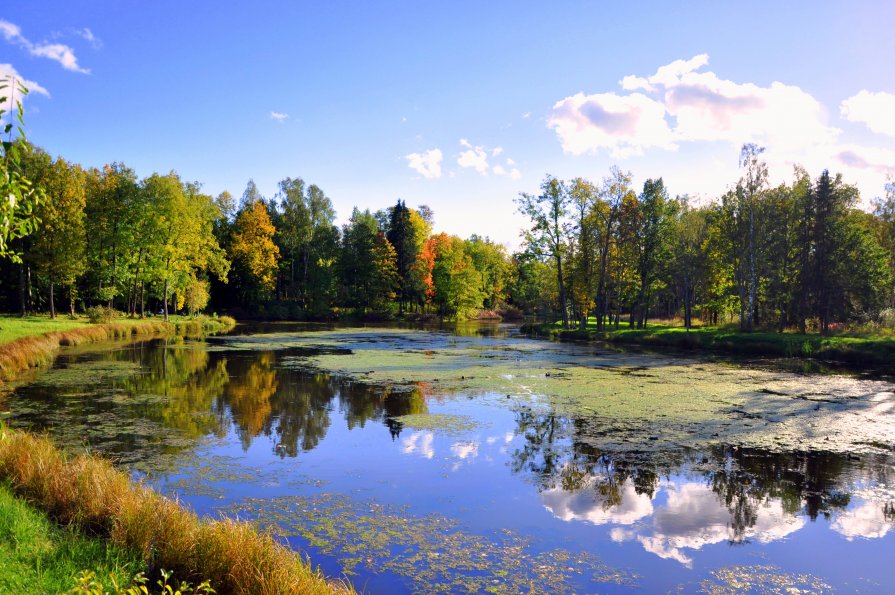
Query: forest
point(800, 256)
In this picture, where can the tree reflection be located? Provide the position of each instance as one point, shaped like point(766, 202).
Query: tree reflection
point(578, 480)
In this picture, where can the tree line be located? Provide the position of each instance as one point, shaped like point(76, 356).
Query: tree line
point(797, 255)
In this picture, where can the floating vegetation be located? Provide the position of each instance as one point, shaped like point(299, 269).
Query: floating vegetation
point(760, 578)
point(431, 551)
point(201, 479)
point(438, 422)
point(655, 402)
point(90, 372)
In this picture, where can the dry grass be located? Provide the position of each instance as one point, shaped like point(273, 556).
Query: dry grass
point(40, 350)
point(90, 494)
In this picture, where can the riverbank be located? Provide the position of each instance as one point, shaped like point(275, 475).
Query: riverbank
point(34, 341)
point(90, 497)
point(864, 351)
point(37, 556)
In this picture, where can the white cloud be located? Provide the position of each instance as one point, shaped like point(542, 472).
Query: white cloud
point(427, 164)
point(58, 52)
point(876, 110)
point(623, 124)
point(476, 157)
point(685, 106)
point(867, 520)
point(88, 35)
point(278, 116)
point(680, 104)
point(591, 505)
point(420, 443)
point(6, 70)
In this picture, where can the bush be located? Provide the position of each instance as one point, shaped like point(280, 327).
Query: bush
point(98, 314)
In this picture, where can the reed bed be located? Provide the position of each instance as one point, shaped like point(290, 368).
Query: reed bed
point(89, 494)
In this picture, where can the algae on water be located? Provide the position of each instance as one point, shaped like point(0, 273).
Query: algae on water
point(620, 399)
point(434, 553)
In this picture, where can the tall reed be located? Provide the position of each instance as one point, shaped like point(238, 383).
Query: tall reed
point(90, 494)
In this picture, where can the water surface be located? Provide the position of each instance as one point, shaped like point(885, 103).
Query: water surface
point(473, 460)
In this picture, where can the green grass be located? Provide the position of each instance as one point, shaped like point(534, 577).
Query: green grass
point(15, 327)
point(37, 556)
point(865, 350)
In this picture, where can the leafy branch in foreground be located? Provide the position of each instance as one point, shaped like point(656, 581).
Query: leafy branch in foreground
point(18, 195)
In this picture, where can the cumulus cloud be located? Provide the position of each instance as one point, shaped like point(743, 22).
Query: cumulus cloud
point(476, 157)
point(623, 124)
point(681, 103)
point(58, 52)
point(427, 164)
point(7, 71)
point(684, 105)
point(875, 110)
point(278, 116)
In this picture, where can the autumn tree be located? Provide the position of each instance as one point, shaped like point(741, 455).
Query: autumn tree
point(252, 249)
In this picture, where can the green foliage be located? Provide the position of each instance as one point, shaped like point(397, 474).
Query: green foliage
point(101, 314)
point(88, 583)
point(19, 196)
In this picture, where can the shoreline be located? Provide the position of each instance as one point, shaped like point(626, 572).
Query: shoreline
point(874, 353)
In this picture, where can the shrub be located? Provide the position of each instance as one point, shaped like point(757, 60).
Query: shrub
point(98, 314)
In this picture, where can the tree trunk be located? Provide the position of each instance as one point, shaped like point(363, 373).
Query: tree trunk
point(22, 302)
point(166, 299)
point(562, 292)
point(52, 301)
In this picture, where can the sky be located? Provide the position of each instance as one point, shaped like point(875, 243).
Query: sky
point(458, 105)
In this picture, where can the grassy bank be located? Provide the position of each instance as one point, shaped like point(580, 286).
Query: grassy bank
point(865, 351)
point(34, 341)
point(37, 556)
point(90, 497)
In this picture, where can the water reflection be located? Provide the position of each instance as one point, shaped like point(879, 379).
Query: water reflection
point(675, 504)
point(151, 405)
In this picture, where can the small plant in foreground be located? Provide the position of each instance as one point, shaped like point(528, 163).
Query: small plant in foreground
point(87, 583)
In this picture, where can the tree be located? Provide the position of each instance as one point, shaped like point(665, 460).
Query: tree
point(655, 223)
point(456, 281)
point(253, 251)
point(616, 189)
point(58, 248)
point(367, 264)
point(18, 196)
point(547, 213)
point(585, 203)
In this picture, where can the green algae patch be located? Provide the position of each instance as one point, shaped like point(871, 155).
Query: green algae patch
point(432, 552)
point(622, 400)
point(761, 578)
point(438, 422)
point(91, 372)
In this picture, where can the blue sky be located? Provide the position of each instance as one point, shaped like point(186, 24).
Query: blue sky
point(458, 105)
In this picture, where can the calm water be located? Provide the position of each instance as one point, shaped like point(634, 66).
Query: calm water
point(497, 463)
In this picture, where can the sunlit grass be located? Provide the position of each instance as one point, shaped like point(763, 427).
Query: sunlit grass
point(851, 347)
point(89, 494)
point(37, 556)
